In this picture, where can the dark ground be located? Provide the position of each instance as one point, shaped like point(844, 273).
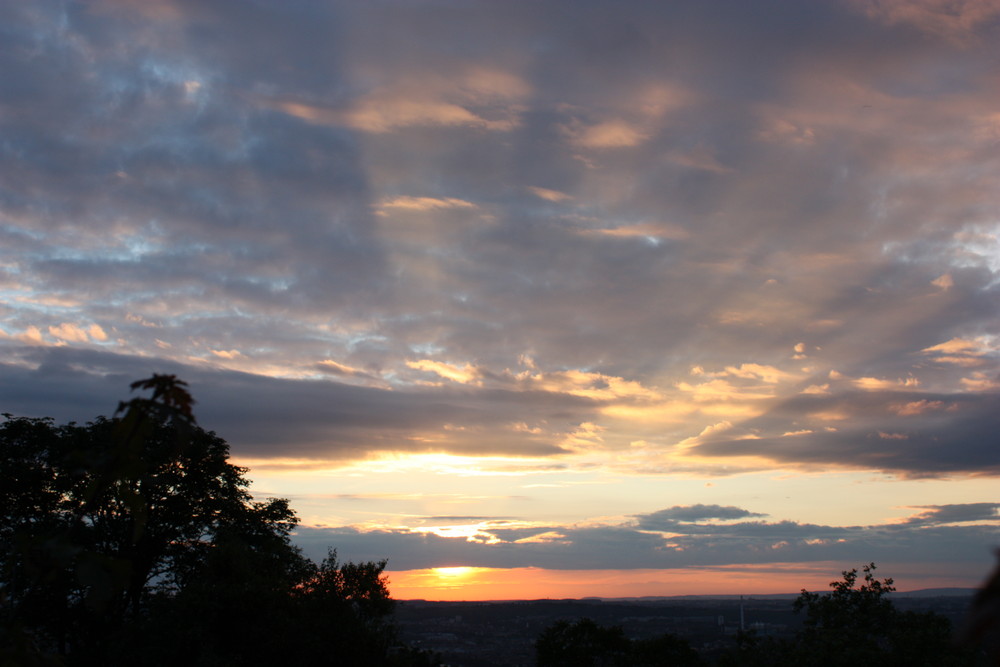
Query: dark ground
point(495, 634)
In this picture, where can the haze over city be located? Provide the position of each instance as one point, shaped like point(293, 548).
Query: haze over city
point(534, 299)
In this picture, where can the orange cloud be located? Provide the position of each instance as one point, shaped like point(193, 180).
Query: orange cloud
point(549, 195)
point(615, 133)
point(31, 336)
point(959, 352)
point(877, 384)
point(467, 374)
point(723, 390)
point(917, 407)
point(69, 332)
point(424, 203)
point(979, 381)
point(653, 230)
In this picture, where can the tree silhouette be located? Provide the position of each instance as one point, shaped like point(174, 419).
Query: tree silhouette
point(581, 643)
point(857, 624)
point(133, 540)
point(982, 627)
point(584, 642)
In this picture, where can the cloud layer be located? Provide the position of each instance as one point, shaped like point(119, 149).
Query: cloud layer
point(679, 537)
point(676, 240)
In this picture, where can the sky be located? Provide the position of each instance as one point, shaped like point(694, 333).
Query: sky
point(533, 299)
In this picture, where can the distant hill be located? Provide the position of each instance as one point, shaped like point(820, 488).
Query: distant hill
point(938, 593)
point(921, 593)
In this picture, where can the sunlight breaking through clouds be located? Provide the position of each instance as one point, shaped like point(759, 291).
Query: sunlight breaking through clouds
point(545, 267)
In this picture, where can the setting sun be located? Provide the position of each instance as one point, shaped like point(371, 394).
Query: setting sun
point(447, 573)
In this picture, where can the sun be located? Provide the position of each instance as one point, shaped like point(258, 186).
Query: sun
point(452, 572)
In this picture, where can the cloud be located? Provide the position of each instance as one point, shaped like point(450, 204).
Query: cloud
point(331, 367)
point(549, 195)
point(701, 158)
point(723, 390)
point(693, 537)
point(911, 435)
point(955, 19)
point(383, 113)
point(650, 231)
point(919, 407)
point(273, 418)
point(607, 134)
point(877, 384)
point(465, 375)
point(69, 333)
point(424, 203)
point(960, 352)
point(669, 519)
point(30, 336)
point(979, 381)
point(375, 213)
point(988, 513)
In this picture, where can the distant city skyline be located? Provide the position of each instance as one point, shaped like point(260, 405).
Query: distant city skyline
point(534, 299)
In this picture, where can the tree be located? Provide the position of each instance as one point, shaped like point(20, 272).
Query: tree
point(133, 540)
point(583, 642)
point(850, 620)
point(565, 644)
point(667, 650)
point(857, 624)
point(982, 627)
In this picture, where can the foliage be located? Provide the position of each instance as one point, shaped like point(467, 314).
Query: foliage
point(856, 624)
point(583, 642)
point(667, 650)
point(566, 644)
point(133, 540)
point(850, 621)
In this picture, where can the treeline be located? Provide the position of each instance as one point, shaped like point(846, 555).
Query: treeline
point(134, 541)
point(854, 625)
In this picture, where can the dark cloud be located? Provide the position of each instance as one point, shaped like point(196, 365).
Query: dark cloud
point(672, 517)
point(694, 544)
point(956, 513)
point(271, 417)
point(918, 434)
point(664, 519)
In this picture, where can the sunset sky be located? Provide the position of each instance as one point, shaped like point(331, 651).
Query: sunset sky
point(561, 298)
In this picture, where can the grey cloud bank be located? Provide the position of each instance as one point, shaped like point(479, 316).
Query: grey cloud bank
point(694, 544)
point(909, 434)
point(674, 240)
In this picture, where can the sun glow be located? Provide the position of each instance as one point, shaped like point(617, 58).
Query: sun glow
point(448, 573)
point(530, 583)
point(441, 583)
point(452, 465)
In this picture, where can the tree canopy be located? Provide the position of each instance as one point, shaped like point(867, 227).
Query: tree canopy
point(134, 540)
point(857, 624)
point(585, 643)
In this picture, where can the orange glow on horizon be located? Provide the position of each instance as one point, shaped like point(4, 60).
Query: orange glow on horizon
point(455, 584)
